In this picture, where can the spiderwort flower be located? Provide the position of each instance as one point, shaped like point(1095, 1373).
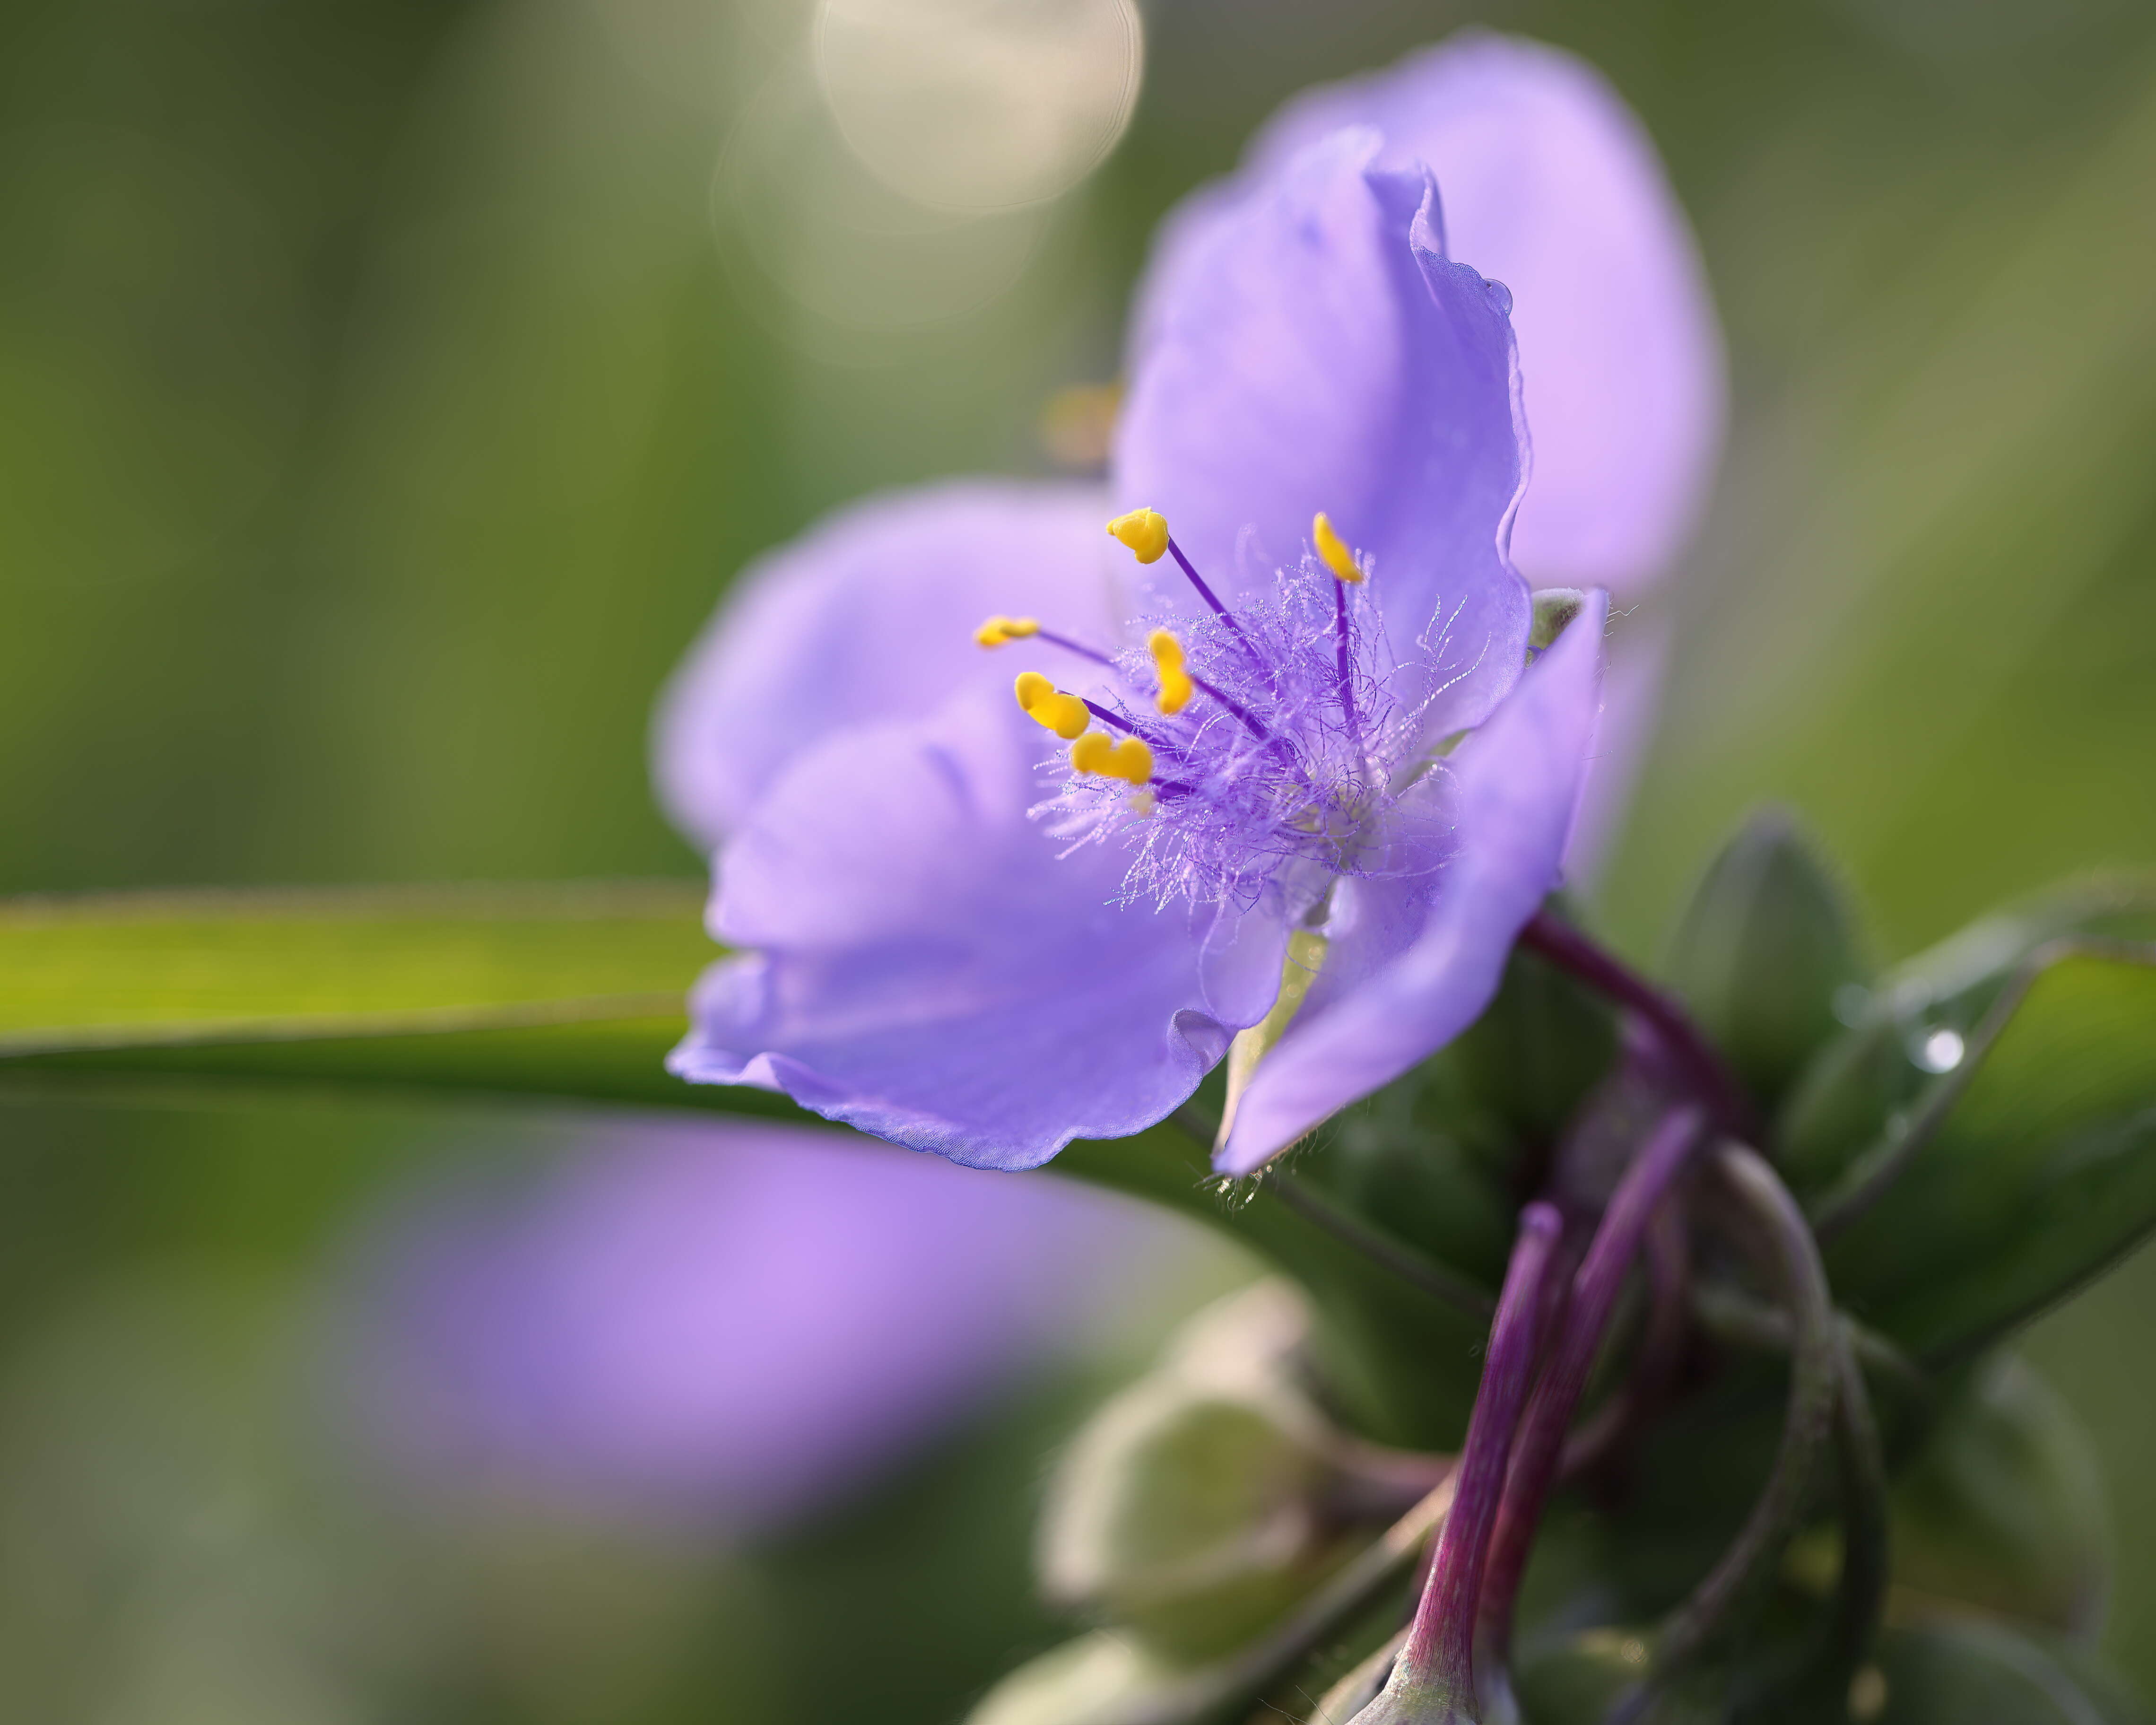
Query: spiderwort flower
point(1285, 760)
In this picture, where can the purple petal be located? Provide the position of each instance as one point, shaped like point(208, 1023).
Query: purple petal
point(870, 616)
point(730, 1322)
point(1515, 788)
point(1550, 185)
point(934, 969)
point(1312, 349)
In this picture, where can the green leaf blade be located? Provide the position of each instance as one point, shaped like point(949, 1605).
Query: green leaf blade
point(2040, 1175)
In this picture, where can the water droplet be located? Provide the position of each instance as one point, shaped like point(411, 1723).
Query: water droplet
point(1941, 1050)
point(1501, 296)
point(1851, 1002)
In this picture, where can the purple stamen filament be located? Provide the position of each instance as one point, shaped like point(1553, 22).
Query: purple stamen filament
point(1249, 721)
point(1307, 798)
point(1205, 592)
point(1078, 647)
point(1340, 652)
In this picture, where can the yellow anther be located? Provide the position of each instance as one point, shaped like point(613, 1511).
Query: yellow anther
point(1065, 715)
point(1129, 760)
point(998, 630)
point(1334, 549)
point(1142, 803)
point(1145, 531)
point(1175, 684)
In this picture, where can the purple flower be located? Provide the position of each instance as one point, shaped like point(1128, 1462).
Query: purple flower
point(734, 1328)
point(1305, 744)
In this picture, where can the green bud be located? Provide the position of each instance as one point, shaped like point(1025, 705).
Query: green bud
point(1554, 607)
point(1763, 951)
point(1956, 1672)
point(1097, 1677)
point(2003, 1509)
point(1188, 1510)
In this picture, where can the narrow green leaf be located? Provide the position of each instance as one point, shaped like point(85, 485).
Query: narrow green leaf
point(573, 993)
point(2037, 1173)
point(562, 991)
point(1914, 1038)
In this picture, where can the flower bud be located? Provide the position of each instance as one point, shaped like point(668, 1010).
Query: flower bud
point(1188, 1512)
point(1763, 950)
point(1096, 1678)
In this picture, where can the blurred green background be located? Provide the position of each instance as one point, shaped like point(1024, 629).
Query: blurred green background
point(392, 388)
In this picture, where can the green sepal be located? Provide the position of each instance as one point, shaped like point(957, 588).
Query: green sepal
point(1765, 948)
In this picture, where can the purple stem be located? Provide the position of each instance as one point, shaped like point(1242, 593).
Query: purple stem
point(1701, 1063)
point(1668, 1249)
point(1437, 1665)
point(1595, 1290)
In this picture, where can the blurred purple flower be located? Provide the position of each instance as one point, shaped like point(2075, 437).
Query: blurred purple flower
point(956, 945)
point(735, 1323)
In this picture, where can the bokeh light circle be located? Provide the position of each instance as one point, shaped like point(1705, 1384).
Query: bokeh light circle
point(979, 104)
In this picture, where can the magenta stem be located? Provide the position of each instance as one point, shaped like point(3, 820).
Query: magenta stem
point(1594, 1289)
point(1439, 1658)
point(1668, 1251)
point(1700, 1062)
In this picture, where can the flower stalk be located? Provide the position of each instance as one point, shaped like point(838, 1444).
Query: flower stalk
point(1432, 1681)
point(1664, 1158)
point(1699, 1061)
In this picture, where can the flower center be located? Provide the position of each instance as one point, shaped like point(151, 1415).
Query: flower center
point(1256, 746)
